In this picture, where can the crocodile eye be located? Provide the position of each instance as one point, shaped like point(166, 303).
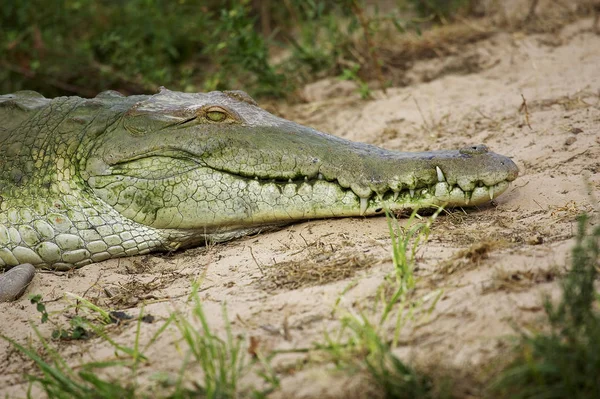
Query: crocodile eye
point(218, 114)
point(215, 115)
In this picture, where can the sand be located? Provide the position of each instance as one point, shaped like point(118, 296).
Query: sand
point(532, 96)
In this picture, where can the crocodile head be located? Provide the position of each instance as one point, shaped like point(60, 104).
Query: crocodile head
point(217, 162)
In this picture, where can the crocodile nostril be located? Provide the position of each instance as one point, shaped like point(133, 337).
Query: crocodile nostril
point(474, 150)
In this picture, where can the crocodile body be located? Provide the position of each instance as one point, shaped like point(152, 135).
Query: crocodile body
point(85, 180)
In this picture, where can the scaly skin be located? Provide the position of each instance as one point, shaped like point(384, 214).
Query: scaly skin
point(85, 180)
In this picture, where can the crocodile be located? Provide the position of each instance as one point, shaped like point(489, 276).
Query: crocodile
point(85, 180)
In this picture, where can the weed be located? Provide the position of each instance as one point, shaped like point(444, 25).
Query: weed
point(366, 350)
point(439, 10)
point(564, 362)
point(352, 74)
point(79, 326)
point(223, 361)
point(360, 345)
point(405, 243)
point(59, 380)
point(40, 306)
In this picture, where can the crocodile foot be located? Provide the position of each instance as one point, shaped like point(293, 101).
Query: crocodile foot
point(14, 282)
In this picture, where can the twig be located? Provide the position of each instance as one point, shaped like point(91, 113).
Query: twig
point(255, 261)
point(429, 129)
point(522, 108)
point(538, 204)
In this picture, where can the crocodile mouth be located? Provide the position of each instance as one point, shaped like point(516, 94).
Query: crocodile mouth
point(442, 192)
point(177, 165)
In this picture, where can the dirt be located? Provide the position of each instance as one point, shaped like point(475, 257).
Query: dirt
point(532, 96)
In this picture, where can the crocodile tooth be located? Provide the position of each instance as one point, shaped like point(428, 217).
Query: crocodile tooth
point(290, 181)
point(491, 192)
point(467, 198)
point(320, 176)
point(411, 192)
point(396, 193)
point(305, 178)
point(363, 205)
point(440, 175)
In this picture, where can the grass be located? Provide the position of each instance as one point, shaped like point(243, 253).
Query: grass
point(559, 363)
point(59, 380)
point(360, 345)
point(405, 243)
point(222, 362)
point(565, 360)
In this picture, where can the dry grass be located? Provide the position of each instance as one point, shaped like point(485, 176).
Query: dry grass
point(136, 290)
point(439, 41)
point(519, 280)
point(469, 258)
point(321, 269)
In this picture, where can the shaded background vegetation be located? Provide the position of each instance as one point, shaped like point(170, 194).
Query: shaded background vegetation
point(81, 47)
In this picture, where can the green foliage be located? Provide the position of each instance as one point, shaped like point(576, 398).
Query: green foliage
point(366, 349)
point(324, 35)
point(352, 74)
point(223, 361)
point(83, 47)
point(405, 243)
point(80, 326)
point(440, 10)
point(59, 380)
point(564, 362)
point(361, 345)
point(241, 53)
point(40, 306)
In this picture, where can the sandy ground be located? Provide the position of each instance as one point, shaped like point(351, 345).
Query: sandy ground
point(281, 287)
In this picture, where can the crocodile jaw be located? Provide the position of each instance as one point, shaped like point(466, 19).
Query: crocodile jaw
point(211, 200)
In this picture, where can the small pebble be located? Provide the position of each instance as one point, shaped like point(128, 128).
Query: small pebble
point(14, 282)
point(570, 140)
point(576, 130)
